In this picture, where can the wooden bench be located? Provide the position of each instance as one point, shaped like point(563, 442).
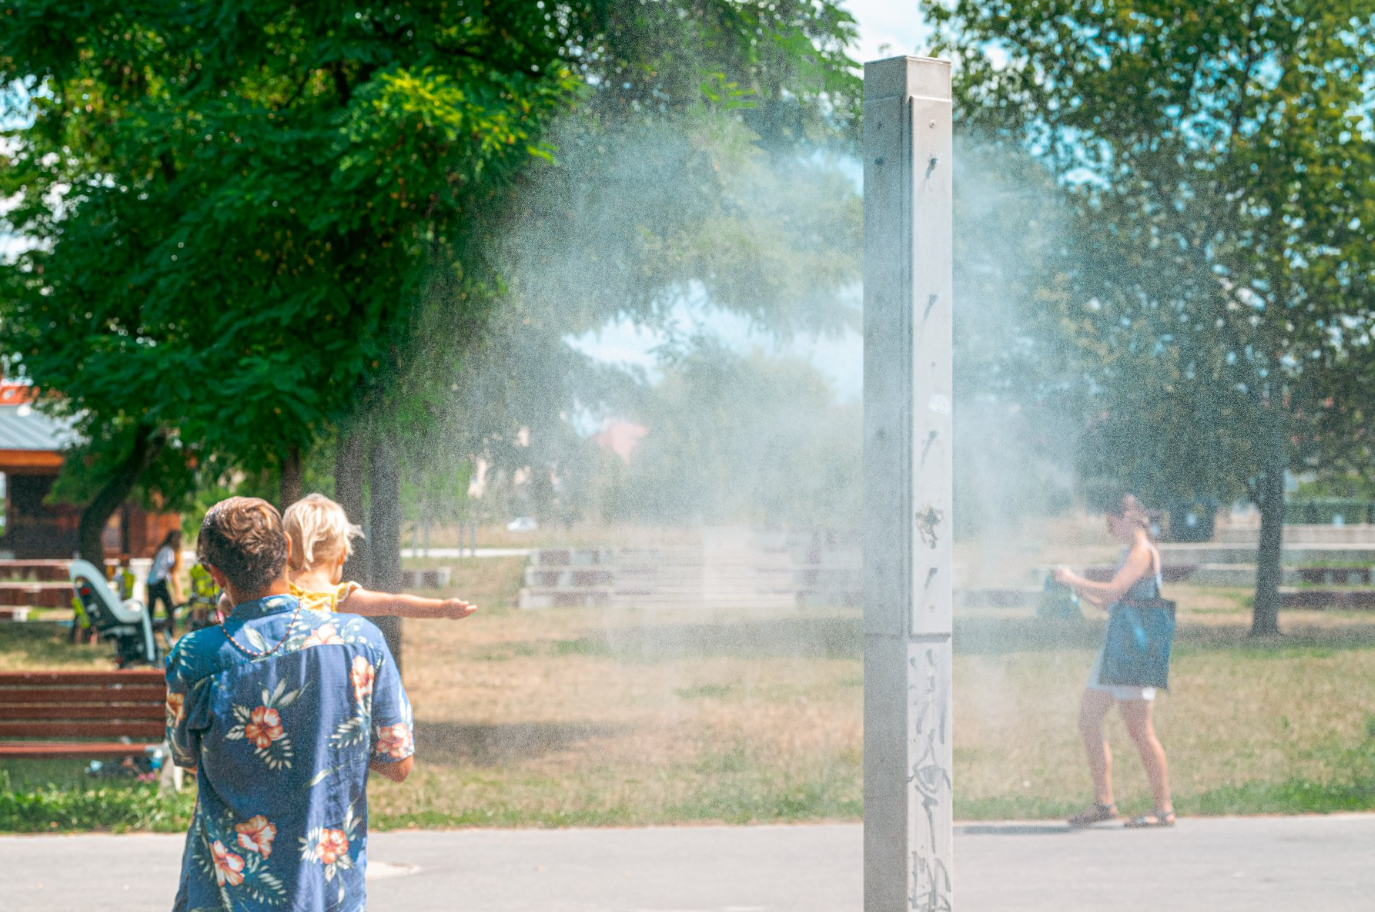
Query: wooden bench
point(36, 595)
point(40, 571)
point(81, 714)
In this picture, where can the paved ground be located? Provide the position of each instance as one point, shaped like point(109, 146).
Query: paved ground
point(1212, 865)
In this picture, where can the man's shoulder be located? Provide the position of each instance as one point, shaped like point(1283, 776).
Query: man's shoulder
point(362, 629)
point(196, 655)
point(322, 627)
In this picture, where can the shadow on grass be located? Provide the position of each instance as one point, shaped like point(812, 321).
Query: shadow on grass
point(451, 744)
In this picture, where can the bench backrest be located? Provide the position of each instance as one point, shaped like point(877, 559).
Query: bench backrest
point(83, 705)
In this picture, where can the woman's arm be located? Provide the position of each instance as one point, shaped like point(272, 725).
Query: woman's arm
point(1138, 564)
point(367, 602)
point(1095, 601)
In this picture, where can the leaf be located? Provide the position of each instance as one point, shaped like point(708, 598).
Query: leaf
point(255, 640)
point(291, 697)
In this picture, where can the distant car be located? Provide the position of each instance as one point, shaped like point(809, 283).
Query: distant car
point(522, 524)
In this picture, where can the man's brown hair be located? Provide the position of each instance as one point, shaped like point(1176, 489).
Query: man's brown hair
point(243, 538)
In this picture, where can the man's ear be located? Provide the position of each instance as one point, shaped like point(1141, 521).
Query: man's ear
point(220, 579)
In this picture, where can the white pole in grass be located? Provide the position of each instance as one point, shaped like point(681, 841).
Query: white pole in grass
point(907, 486)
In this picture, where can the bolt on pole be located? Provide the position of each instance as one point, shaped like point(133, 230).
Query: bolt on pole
point(908, 592)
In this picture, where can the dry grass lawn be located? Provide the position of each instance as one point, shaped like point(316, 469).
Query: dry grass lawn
point(576, 716)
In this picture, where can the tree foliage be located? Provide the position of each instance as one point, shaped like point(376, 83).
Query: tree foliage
point(1219, 156)
point(248, 212)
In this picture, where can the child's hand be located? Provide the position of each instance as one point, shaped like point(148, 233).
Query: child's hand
point(456, 609)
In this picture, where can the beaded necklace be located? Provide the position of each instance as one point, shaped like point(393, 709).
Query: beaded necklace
point(255, 653)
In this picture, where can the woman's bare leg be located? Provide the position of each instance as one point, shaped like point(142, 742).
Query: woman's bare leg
point(1092, 708)
point(1139, 716)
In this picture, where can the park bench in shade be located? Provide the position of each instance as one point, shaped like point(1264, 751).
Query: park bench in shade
point(81, 714)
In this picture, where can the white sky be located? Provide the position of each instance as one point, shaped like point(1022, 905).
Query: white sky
point(887, 28)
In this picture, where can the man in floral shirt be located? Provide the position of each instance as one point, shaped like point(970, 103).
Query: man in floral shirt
point(282, 712)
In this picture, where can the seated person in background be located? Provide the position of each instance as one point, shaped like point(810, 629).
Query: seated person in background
point(321, 541)
point(282, 711)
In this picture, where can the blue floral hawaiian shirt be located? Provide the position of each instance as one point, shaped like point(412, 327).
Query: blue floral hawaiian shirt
point(281, 743)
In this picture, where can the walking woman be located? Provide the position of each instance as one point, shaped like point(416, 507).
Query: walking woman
point(164, 583)
point(1138, 577)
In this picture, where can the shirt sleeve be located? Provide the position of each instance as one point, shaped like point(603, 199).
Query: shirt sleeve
point(188, 710)
point(392, 725)
point(343, 591)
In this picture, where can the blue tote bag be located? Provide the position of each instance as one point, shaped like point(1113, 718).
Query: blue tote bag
point(1137, 652)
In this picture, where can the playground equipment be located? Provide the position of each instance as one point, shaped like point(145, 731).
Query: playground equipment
point(124, 622)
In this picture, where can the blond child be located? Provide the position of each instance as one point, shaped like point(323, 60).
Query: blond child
point(321, 540)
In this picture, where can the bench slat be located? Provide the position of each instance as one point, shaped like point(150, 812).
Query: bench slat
point(68, 711)
point(93, 729)
point(135, 676)
point(52, 750)
point(140, 693)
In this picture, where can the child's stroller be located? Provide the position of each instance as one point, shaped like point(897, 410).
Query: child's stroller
point(126, 623)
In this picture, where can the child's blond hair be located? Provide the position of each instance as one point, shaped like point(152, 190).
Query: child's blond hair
point(319, 530)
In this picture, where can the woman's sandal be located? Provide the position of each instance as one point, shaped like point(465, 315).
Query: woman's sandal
point(1096, 813)
point(1156, 818)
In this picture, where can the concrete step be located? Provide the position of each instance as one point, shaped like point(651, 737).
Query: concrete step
point(569, 577)
point(434, 578)
point(571, 557)
point(1328, 599)
point(1350, 534)
point(1294, 555)
point(592, 597)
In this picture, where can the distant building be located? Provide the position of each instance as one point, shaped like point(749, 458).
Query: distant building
point(32, 445)
point(620, 437)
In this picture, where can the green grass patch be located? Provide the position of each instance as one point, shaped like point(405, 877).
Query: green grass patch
point(74, 806)
point(1290, 796)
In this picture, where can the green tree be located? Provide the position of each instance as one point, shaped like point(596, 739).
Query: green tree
point(238, 207)
point(249, 213)
point(1221, 156)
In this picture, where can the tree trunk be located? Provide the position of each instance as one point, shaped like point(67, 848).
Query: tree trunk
point(350, 477)
point(1269, 556)
point(385, 515)
point(291, 477)
point(147, 444)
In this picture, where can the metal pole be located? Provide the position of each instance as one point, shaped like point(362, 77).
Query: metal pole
point(907, 486)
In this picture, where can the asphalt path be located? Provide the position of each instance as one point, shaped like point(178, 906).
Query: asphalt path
point(1204, 865)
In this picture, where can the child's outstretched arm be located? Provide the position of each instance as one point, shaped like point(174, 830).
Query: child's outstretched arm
point(367, 602)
